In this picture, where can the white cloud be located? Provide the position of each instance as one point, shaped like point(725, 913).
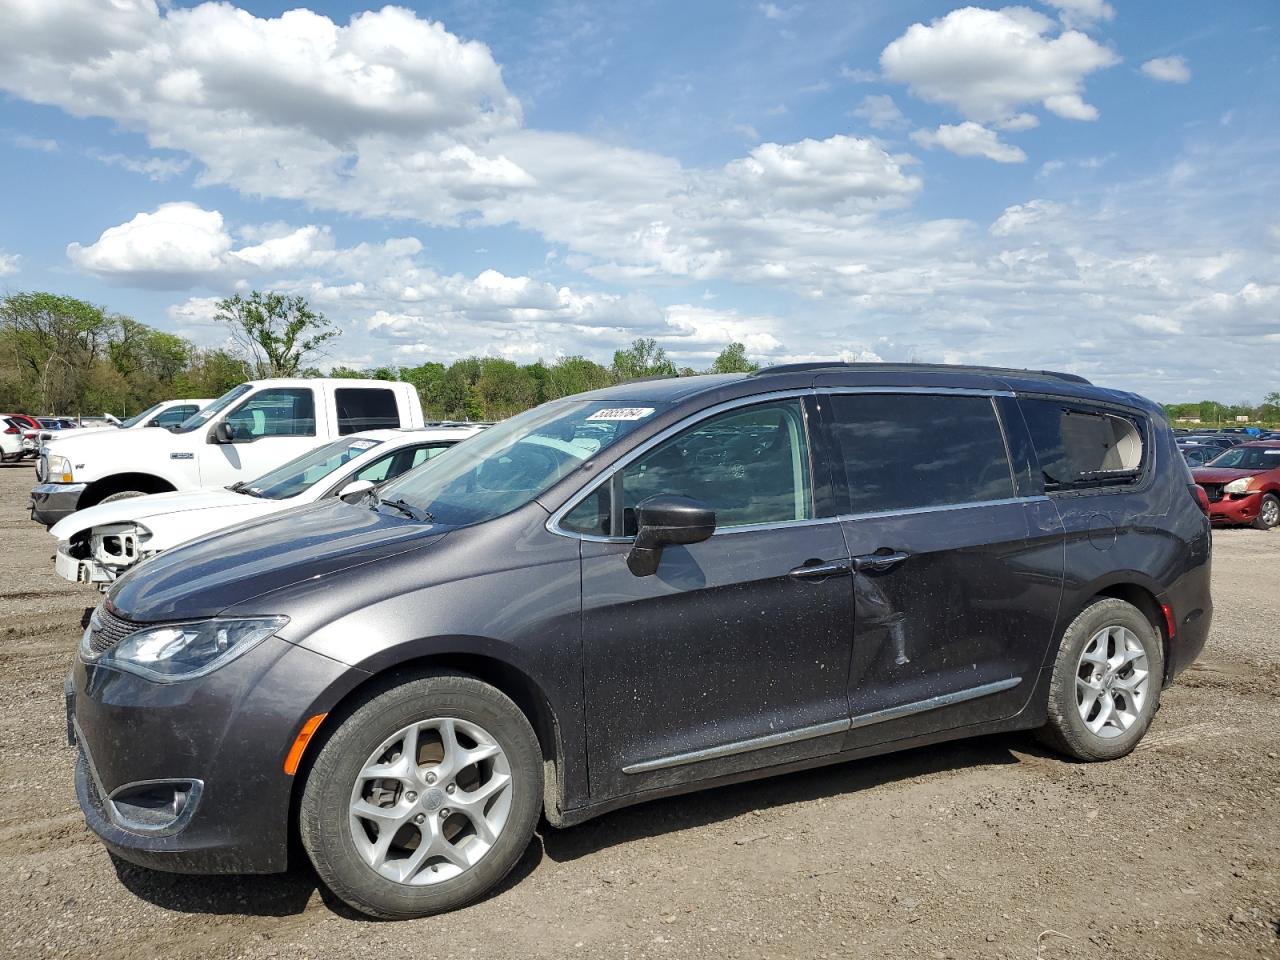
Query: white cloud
point(970, 139)
point(9, 263)
point(174, 246)
point(1081, 14)
point(819, 173)
point(1168, 69)
point(990, 63)
point(880, 112)
point(42, 144)
point(1021, 217)
point(153, 168)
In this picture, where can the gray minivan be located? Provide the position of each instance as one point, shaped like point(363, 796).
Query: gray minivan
point(636, 592)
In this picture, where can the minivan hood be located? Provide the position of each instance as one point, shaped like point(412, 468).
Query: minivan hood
point(204, 577)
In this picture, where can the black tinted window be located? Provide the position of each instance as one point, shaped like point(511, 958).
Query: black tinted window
point(750, 466)
point(175, 415)
point(366, 409)
point(278, 412)
point(904, 451)
point(1081, 447)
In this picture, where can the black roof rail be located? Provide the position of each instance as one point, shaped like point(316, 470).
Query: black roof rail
point(816, 366)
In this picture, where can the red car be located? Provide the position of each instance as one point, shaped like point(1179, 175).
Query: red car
point(1243, 484)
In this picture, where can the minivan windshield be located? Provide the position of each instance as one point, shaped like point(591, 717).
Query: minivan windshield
point(1248, 458)
point(138, 418)
point(198, 420)
point(508, 465)
point(302, 472)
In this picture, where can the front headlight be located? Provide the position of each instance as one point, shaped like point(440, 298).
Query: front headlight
point(183, 651)
point(1238, 486)
point(59, 469)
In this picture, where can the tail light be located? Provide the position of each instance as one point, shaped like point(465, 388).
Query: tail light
point(12, 430)
point(1202, 498)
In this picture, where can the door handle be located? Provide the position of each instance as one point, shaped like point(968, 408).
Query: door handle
point(820, 571)
point(878, 562)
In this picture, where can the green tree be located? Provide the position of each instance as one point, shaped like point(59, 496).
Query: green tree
point(570, 375)
point(53, 342)
point(277, 333)
point(733, 359)
point(644, 358)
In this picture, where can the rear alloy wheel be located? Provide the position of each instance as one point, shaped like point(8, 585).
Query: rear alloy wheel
point(1106, 682)
point(424, 798)
point(1268, 512)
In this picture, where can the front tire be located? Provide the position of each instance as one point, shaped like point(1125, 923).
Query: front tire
point(1268, 512)
point(1106, 682)
point(424, 798)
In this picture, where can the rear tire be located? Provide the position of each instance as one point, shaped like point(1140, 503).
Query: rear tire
point(1106, 683)
point(1268, 512)
point(420, 796)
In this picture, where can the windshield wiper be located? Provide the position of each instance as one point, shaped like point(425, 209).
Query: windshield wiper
point(408, 509)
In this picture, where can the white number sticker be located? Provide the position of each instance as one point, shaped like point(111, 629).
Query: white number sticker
point(621, 413)
point(363, 444)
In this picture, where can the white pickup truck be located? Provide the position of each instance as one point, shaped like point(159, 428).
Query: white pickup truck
point(244, 433)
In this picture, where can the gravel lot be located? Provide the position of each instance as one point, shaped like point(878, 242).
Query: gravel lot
point(987, 848)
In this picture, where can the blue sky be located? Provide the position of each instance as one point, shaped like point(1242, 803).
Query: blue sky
point(1089, 185)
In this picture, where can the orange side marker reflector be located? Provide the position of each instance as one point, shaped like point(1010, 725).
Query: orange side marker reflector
point(300, 743)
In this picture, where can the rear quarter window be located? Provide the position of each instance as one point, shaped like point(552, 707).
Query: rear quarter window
point(1082, 447)
point(364, 408)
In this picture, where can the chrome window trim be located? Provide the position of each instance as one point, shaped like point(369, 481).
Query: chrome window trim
point(967, 505)
point(553, 523)
point(823, 729)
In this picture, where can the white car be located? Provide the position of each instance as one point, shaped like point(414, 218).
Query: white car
point(11, 440)
point(99, 544)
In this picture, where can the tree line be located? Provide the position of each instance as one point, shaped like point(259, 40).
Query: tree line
point(60, 355)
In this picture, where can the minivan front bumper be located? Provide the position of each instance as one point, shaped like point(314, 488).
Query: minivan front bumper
point(189, 777)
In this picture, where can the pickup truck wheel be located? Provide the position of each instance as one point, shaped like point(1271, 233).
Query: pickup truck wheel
point(123, 495)
point(423, 798)
point(1106, 682)
point(1268, 512)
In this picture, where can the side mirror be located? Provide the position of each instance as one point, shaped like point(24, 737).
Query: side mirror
point(666, 521)
point(354, 490)
point(222, 433)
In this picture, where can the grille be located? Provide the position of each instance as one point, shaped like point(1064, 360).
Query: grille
point(1214, 490)
point(106, 630)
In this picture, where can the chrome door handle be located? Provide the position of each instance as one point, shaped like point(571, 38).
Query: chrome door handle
point(820, 571)
point(878, 562)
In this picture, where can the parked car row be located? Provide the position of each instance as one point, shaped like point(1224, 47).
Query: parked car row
point(34, 432)
point(621, 595)
point(1243, 484)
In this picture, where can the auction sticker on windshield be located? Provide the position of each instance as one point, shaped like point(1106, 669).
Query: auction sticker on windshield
point(363, 444)
point(621, 413)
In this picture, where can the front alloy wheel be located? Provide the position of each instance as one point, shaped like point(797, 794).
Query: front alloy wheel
point(423, 797)
point(431, 801)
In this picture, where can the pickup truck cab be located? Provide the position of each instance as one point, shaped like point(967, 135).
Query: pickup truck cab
point(247, 431)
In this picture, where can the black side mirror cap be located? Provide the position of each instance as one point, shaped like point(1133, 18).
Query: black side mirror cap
point(666, 520)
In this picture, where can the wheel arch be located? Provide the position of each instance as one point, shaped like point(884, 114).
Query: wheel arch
point(99, 490)
point(523, 690)
point(1143, 596)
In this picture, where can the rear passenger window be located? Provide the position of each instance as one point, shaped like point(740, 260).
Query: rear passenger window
point(907, 451)
point(1078, 447)
point(365, 408)
point(174, 415)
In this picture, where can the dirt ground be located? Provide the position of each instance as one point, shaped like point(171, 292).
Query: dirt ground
point(986, 848)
